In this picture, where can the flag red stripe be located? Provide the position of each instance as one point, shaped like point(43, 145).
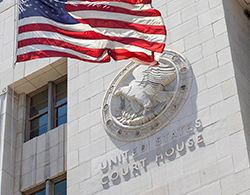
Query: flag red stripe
point(122, 54)
point(51, 28)
point(97, 53)
point(116, 54)
point(47, 53)
point(113, 9)
point(152, 46)
point(122, 1)
point(104, 23)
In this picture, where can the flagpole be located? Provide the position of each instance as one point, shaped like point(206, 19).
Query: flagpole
point(16, 5)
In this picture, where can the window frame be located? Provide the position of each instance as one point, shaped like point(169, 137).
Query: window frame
point(58, 180)
point(52, 110)
point(36, 189)
point(43, 186)
point(55, 107)
point(29, 119)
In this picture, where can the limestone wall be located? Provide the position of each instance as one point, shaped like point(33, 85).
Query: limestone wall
point(238, 28)
point(184, 157)
point(43, 157)
point(203, 150)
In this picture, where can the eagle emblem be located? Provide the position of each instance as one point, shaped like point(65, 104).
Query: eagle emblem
point(141, 100)
point(141, 96)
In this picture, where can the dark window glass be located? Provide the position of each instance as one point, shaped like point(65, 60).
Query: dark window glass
point(61, 92)
point(39, 103)
point(41, 192)
point(60, 188)
point(61, 103)
point(39, 121)
point(38, 132)
point(61, 115)
point(61, 111)
point(36, 99)
point(38, 126)
point(38, 114)
point(61, 120)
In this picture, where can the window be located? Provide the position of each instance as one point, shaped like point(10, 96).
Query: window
point(60, 188)
point(60, 103)
point(40, 190)
point(57, 186)
point(45, 105)
point(38, 113)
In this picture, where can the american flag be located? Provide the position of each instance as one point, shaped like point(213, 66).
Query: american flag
point(93, 30)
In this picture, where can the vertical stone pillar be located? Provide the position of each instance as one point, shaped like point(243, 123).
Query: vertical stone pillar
point(50, 105)
point(48, 187)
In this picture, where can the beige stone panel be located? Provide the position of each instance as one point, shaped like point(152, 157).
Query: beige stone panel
point(187, 183)
point(241, 159)
point(211, 16)
point(223, 147)
point(235, 183)
point(159, 190)
point(91, 90)
point(43, 79)
point(100, 71)
point(78, 174)
point(7, 48)
point(72, 159)
point(173, 20)
point(5, 5)
point(97, 132)
point(194, 10)
point(34, 66)
point(74, 189)
point(92, 150)
point(166, 171)
point(198, 37)
point(217, 171)
point(183, 30)
point(225, 108)
point(74, 142)
point(229, 88)
point(5, 183)
point(175, 6)
point(219, 27)
point(235, 123)
point(73, 128)
point(205, 65)
point(73, 111)
point(143, 183)
point(73, 70)
point(224, 56)
point(24, 86)
point(194, 55)
point(211, 189)
point(178, 46)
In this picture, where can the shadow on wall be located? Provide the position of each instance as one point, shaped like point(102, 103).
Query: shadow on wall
point(237, 21)
point(3, 105)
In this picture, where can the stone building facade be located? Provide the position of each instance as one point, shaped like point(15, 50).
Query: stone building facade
point(203, 150)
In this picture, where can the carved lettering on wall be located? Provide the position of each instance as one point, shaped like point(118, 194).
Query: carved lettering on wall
point(124, 165)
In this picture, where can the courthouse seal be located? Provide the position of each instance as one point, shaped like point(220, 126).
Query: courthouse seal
point(141, 99)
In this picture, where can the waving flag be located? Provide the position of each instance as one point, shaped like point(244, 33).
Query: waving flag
point(94, 30)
